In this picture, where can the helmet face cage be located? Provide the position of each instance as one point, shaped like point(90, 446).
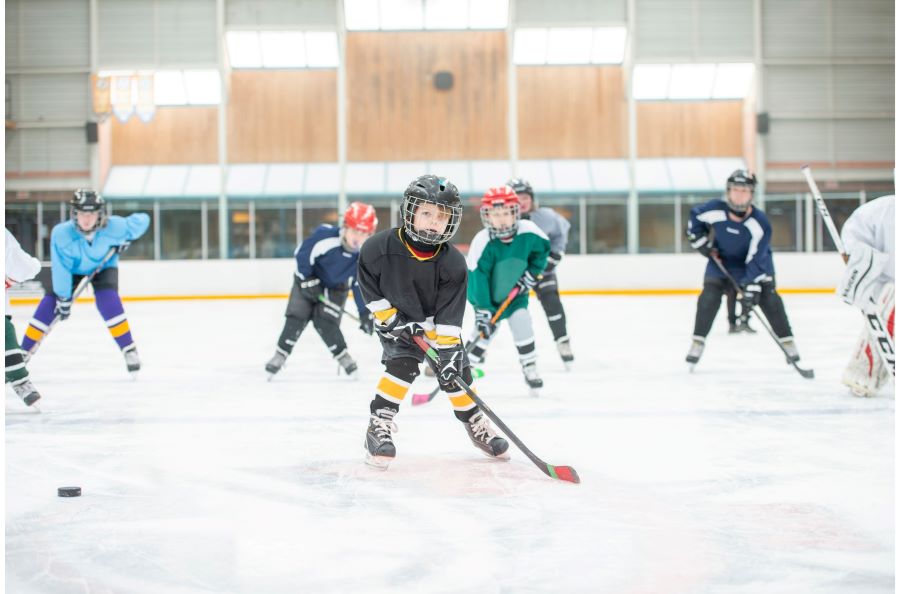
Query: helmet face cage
point(88, 201)
point(412, 203)
point(740, 179)
point(501, 232)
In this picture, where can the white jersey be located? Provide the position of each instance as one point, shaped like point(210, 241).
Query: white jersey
point(19, 265)
point(873, 224)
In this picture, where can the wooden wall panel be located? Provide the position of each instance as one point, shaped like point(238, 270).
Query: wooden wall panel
point(282, 116)
point(175, 135)
point(690, 129)
point(568, 112)
point(395, 113)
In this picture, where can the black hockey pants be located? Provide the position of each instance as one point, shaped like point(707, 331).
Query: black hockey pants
point(301, 309)
point(711, 298)
point(547, 291)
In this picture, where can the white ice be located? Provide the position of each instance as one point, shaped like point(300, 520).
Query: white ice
point(200, 476)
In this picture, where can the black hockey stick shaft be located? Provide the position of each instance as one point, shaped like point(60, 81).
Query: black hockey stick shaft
point(418, 399)
point(807, 373)
point(563, 473)
point(874, 320)
point(79, 289)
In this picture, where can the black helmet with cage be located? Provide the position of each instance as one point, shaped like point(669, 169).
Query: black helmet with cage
point(431, 189)
point(740, 178)
point(84, 200)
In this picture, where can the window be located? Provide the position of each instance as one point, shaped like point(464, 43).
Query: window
point(318, 213)
point(656, 230)
point(53, 214)
point(212, 229)
point(21, 220)
point(238, 229)
point(607, 227)
point(785, 214)
point(276, 229)
point(179, 227)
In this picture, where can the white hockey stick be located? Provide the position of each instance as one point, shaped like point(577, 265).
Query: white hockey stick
point(874, 321)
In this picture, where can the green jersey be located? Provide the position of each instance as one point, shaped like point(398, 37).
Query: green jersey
point(496, 265)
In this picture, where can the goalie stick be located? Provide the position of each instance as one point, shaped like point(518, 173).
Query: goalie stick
point(419, 399)
point(807, 373)
point(563, 473)
point(874, 322)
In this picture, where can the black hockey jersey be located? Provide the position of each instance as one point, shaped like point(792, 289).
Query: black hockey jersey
point(430, 292)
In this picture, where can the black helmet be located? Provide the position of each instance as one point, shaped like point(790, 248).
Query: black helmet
point(740, 178)
point(88, 201)
point(436, 190)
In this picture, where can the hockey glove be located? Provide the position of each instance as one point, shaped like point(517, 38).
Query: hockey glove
point(860, 280)
point(122, 247)
point(397, 327)
point(483, 322)
point(450, 363)
point(311, 288)
point(750, 295)
point(63, 308)
point(701, 243)
point(526, 282)
point(553, 261)
point(366, 322)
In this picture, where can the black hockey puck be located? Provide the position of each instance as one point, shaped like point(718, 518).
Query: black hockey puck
point(69, 491)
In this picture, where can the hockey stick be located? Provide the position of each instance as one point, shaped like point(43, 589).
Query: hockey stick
point(563, 473)
point(332, 304)
point(874, 321)
point(807, 373)
point(79, 289)
point(419, 399)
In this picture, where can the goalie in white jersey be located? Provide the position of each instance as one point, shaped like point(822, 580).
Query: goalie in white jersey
point(868, 237)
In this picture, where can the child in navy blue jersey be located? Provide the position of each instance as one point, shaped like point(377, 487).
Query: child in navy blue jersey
point(326, 271)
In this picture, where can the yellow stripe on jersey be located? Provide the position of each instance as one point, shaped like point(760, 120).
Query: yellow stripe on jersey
point(388, 387)
point(119, 329)
point(33, 333)
point(447, 340)
point(384, 314)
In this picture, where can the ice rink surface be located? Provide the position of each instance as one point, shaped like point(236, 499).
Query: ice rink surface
point(201, 477)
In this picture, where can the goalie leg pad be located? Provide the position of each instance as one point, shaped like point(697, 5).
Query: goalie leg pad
point(866, 373)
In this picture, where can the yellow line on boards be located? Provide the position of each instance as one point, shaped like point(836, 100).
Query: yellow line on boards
point(572, 293)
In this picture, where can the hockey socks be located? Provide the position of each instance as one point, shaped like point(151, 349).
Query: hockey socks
point(110, 307)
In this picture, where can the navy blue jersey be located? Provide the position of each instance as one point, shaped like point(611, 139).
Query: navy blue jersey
point(744, 246)
point(322, 256)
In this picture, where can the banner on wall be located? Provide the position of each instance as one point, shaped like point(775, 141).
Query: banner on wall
point(101, 96)
point(122, 103)
point(145, 107)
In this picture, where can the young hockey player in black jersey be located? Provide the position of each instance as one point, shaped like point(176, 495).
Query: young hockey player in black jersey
point(741, 238)
point(556, 227)
point(414, 282)
point(326, 270)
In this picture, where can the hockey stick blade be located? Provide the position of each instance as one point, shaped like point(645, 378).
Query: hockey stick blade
point(563, 473)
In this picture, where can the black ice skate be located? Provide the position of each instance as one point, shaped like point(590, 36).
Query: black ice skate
point(485, 439)
point(696, 351)
point(132, 361)
point(25, 390)
point(535, 383)
point(347, 363)
point(275, 363)
point(790, 349)
point(565, 351)
point(380, 450)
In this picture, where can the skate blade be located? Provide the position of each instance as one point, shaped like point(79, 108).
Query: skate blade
point(534, 392)
point(567, 365)
point(691, 367)
point(269, 376)
point(504, 456)
point(379, 462)
point(36, 407)
point(134, 375)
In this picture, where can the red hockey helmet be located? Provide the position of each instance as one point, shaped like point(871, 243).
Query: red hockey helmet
point(361, 216)
point(497, 197)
